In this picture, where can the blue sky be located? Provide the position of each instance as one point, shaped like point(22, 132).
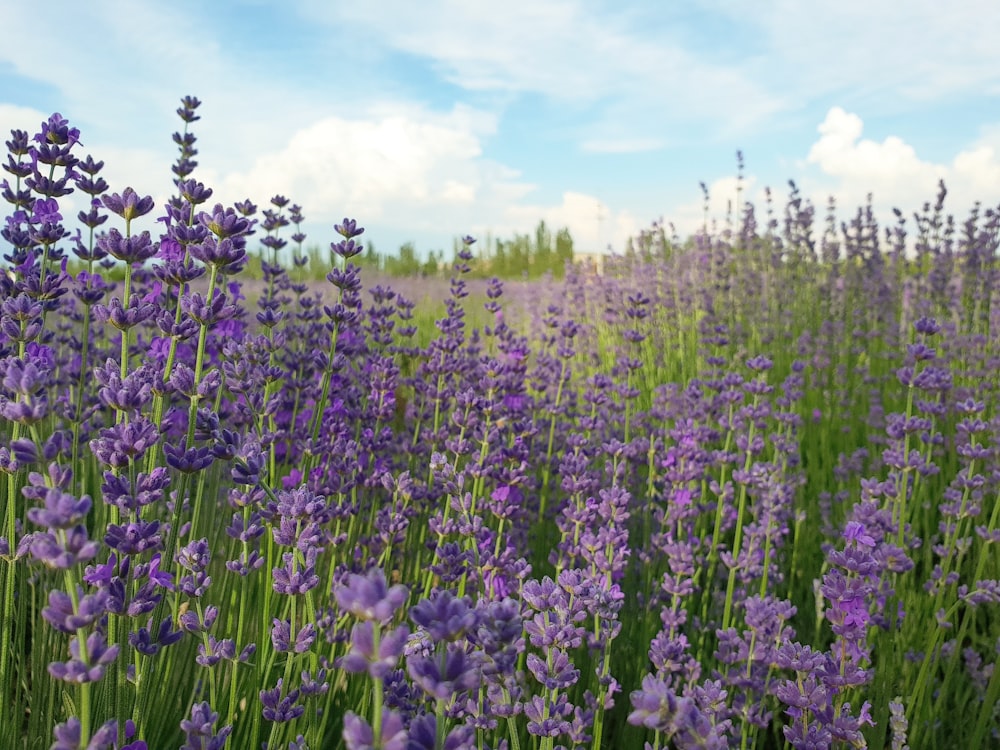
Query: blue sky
point(428, 120)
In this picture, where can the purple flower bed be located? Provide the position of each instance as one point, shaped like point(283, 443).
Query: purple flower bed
point(738, 491)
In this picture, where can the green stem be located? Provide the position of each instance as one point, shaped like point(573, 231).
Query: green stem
point(738, 539)
point(547, 466)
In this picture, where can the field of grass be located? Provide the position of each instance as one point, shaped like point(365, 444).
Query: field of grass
point(736, 491)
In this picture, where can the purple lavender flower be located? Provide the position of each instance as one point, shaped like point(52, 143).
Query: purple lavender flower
point(423, 735)
point(500, 635)
point(135, 249)
point(147, 489)
point(224, 223)
point(444, 616)
point(22, 548)
point(281, 708)
point(192, 623)
point(130, 393)
point(146, 642)
point(281, 637)
point(116, 445)
point(128, 204)
point(186, 111)
point(680, 718)
point(21, 318)
point(61, 511)
point(135, 537)
point(368, 597)
point(213, 650)
point(654, 706)
point(548, 719)
point(347, 248)
point(555, 672)
point(317, 684)
point(180, 237)
point(65, 549)
point(68, 736)
point(348, 229)
point(56, 130)
point(125, 316)
point(89, 668)
point(444, 676)
point(24, 377)
point(227, 254)
point(363, 656)
point(67, 618)
point(188, 460)
point(207, 312)
point(193, 192)
point(199, 730)
point(359, 735)
point(294, 578)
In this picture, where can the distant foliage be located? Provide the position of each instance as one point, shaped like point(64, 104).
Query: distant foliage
point(534, 256)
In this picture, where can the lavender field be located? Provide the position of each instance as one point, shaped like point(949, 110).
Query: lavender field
point(739, 490)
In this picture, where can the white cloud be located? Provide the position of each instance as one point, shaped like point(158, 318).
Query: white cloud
point(119, 59)
point(639, 84)
point(644, 77)
point(529, 46)
point(852, 166)
point(401, 166)
point(978, 169)
point(16, 117)
point(880, 51)
point(409, 169)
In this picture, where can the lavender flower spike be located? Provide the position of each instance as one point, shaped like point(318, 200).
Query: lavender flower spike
point(368, 597)
point(358, 733)
point(68, 737)
point(56, 130)
point(128, 204)
point(199, 732)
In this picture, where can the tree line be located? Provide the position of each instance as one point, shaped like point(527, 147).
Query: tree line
point(529, 256)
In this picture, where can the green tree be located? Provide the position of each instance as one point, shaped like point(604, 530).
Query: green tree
point(369, 259)
point(520, 255)
point(564, 251)
point(501, 265)
point(544, 257)
point(406, 263)
point(430, 267)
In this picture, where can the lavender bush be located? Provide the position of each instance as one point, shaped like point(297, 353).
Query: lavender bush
point(739, 491)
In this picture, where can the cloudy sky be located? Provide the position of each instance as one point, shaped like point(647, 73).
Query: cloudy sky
point(428, 120)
